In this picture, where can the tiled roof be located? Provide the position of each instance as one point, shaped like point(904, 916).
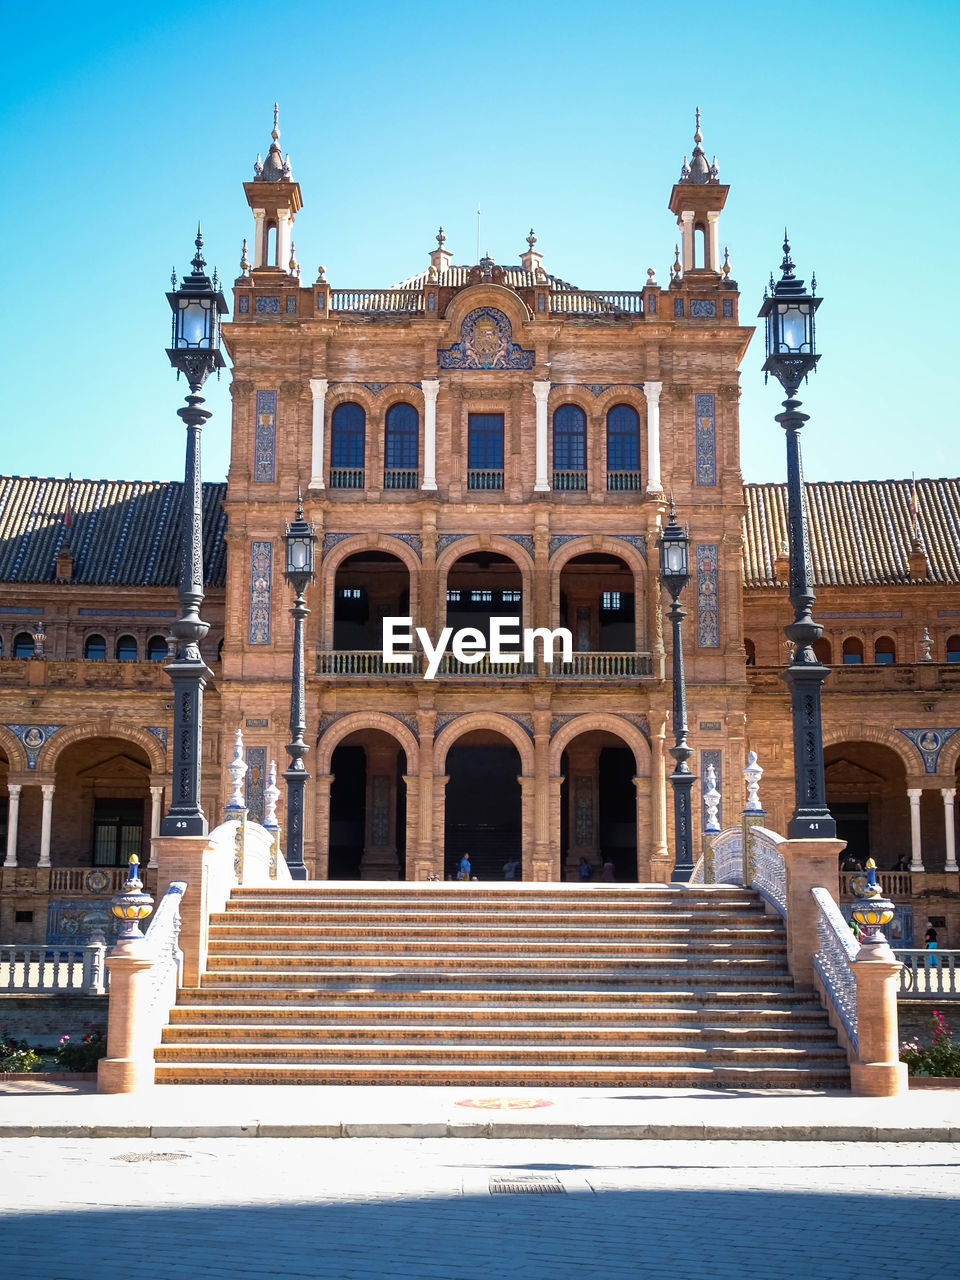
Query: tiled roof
point(860, 531)
point(125, 532)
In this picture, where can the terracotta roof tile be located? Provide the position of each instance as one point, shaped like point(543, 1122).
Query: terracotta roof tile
point(125, 532)
point(860, 531)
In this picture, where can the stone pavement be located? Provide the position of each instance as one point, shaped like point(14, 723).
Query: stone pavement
point(38, 1109)
point(475, 1210)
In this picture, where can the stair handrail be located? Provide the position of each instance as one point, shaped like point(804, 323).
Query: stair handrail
point(728, 856)
point(832, 963)
point(166, 973)
point(769, 876)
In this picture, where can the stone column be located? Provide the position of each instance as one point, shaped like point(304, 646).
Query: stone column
point(877, 1071)
point(642, 788)
point(652, 392)
point(809, 864)
point(283, 239)
point(713, 240)
point(686, 240)
point(660, 862)
point(322, 783)
point(259, 237)
point(13, 818)
point(129, 1064)
point(318, 388)
point(46, 823)
point(916, 857)
point(949, 796)
point(156, 803)
point(541, 393)
point(533, 869)
point(430, 388)
point(554, 783)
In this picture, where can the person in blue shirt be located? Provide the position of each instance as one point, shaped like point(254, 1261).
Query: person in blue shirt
point(464, 867)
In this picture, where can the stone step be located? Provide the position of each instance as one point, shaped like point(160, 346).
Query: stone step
point(257, 931)
point(385, 995)
point(600, 1075)
point(390, 921)
point(537, 951)
point(477, 906)
point(534, 963)
point(325, 979)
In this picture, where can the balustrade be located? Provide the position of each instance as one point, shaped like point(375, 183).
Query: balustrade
point(376, 300)
point(929, 975)
point(37, 967)
point(565, 481)
point(346, 477)
point(838, 949)
point(895, 884)
point(400, 479)
point(584, 666)
point(485, 479)
point(597, 302)
point(622, 481)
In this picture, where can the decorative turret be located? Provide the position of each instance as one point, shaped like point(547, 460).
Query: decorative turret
point(440, 258)
point(275, 200)
point(696, 200)
point(531, 260)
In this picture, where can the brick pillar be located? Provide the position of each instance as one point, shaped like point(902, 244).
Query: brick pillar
point(543, 854)
point(644, 850)
point(554, 783)
point(533, 869)
point(128, 1065)
point(809, 864)
point(878, 1071)
point(429, 846)
point(208, 873)
point(440, 815)
point(661, 862)
point(321, 869)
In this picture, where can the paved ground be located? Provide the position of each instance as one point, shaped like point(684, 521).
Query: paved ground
point(424, 1210)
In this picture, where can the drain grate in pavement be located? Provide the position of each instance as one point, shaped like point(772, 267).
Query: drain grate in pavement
point(136, 1157)
point(521, 1185)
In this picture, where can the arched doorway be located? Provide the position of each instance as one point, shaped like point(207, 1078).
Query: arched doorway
point(102, 804)
point(368, 587)
point(368, 808)
point(598, 806)
point(866, 788)
point(483, 805)
point(482, 585)
point(598, 604)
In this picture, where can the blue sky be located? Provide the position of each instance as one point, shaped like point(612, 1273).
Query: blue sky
point(122, 124)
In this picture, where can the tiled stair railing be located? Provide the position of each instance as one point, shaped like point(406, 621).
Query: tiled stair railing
point(832, 963)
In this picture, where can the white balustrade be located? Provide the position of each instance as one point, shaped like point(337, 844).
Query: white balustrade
point(41, 968)
point(838, 949)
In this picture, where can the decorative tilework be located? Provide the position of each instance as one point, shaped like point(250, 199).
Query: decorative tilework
point(704, 407)
point(33, 736)
point(728, 308)
point(261, 588)
point(267, 305)
point(330, 540)
point(445, 540)
point(376, 387)
point(265, 437)
point(243, 304)
point(71, 921)
point(652, 304)
point(485, 343)
point(641, 722)
point(159, 731)
point(929, 742)
point(524, 540)
point(557, 722)
point(637, 540)
point(255, 782)
point(708, 589)
point(113, 613)
point(557, 540)
point(678, 306)
point(705, 308)
point(442, 721)
point(410, 720)
point(291, 305)
point(524, 721)
point(707, 758)
point(596, 388)
point(413, 540)
point(326, 720)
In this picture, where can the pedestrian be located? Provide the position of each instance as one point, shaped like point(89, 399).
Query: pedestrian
point(903, 863)
point(931, 943)
point(464, 872)
point(608, 874)
point(585, 870)
point(510, 868)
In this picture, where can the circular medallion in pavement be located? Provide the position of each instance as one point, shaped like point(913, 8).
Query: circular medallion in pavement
point(505, 1104)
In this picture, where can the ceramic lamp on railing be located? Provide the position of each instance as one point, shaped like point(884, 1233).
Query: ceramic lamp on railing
point(131, 904)
point(872, 910)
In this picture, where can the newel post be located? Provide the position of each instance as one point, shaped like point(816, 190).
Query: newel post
point(128, 1065)
point(877, 1071)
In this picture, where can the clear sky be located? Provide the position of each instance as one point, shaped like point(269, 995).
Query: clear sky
point(124, 123)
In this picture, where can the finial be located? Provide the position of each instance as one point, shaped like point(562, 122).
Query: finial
point(698, 137)
point(531, 239)
point(677, 266)
point(752, 775)
point(441, 238)
point(925, 646)
point(651, 277)
point(293, 266)
point(787, 265)
point(244, 260)
point(237, 769)
point(321, 274)
point(276, 122)
point(258, 166)
point(813, 283)
point(711, 801)
point(287, 170)
point(271, 794)
point(714, 170)
point(198, 262)
point(299, 515)
point(685, 170)
point(725, 269)
point(216, 280)
point(173, 279)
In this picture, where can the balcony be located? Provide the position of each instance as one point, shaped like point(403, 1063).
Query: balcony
point(623, 481)
point(869, 677)
point(362, 664)
point(400, 479)
point(346, 477)
point(83, 673)
point(487, 479)
point(566, 481)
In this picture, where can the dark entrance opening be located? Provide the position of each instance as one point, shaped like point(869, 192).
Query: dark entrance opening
point(853, 825)
point(618, 811)
point(348, 812)
point(483, 808)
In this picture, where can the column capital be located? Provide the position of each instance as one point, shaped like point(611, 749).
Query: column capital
point(14, 788)
point(541, 389)
point(949, 794)
point(652, 391)
point(430, 388)
point(915, 793)
point(686, 215)
point(48, 789)
point(319, 387)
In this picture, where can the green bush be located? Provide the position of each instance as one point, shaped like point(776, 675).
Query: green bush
point(941, 1057)
point(81, 1055)
point(16, 1055)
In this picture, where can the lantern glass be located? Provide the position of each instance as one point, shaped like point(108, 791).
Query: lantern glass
point(794, 328)
point(299, 555)
point(194, 327)
point(673, 559)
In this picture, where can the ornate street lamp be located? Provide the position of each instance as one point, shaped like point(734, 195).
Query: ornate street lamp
point(674, 547)
point(791, 355)
point(195, 352)
point(300, 539)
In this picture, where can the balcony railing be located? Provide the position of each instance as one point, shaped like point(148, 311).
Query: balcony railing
point(376, 300)
point(400, 479)
point(582, 302)
point(346, 477)
point(486, 479)
point(618, 481)
point(566, 480)
point(895, 884)
point(363, 663)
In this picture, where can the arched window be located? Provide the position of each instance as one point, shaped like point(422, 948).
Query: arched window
point(401, 447)
point(953, 648)
point(95, 648)
point(852, 652)
point(569, 447)
point(751, 651)
point(823, 651)
point(348, 429)
point(126, 649)
point(884, 652)
point(23, 645)
point(623, 447)
point(156, 649)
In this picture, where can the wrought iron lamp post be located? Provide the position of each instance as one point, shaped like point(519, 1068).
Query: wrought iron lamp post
point(195, 352)
point(674, 545)
point(300, 539)
point(789, 312)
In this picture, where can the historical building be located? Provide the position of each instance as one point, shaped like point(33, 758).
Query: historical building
point(478, 443)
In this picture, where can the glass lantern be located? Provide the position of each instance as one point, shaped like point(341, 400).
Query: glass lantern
point(674, 545)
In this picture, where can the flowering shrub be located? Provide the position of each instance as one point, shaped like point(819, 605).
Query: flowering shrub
point(81, 1055)
point(16, 1055)
point(941, 1057)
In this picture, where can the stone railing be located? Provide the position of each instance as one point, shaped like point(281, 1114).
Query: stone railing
point(929, 975)
point(78, 880)
point(376, 300)
point(48, 970)
point(833, 961)
point(593, 302)
point(163, 943)
point(895, 884)
point(766, 870)
point(583, 666)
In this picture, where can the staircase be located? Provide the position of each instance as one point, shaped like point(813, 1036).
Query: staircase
point(453, 984)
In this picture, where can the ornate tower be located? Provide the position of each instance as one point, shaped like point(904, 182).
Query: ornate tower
point(275, 200)
point(697, 200)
